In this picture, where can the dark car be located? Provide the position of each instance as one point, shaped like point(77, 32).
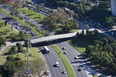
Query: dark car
point(79, 69)
point(64, 72)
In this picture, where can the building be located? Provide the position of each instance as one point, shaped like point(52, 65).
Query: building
point(113, 7)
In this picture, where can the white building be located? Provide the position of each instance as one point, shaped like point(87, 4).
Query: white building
point(113, 7)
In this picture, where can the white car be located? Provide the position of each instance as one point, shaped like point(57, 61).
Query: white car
point(57, 64)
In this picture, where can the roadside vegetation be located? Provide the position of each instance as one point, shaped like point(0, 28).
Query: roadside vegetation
point(60, 22)
point(97, 47)
point(82, 40)
point(15, 58)
point(102, 53)
point(11, 34)
point(90, 10)
point(22, 22)
point(34, 15)
point(65, 61)
point(5, 32)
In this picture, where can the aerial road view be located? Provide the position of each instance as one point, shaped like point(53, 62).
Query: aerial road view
point(57, 38)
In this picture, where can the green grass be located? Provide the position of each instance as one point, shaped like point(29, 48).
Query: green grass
point(32, 50)
point(22, 22)
point(74, 30)
point(35, 16)
point(81, 43)
point(95, 76)
point(5, 28)
point(66, 63)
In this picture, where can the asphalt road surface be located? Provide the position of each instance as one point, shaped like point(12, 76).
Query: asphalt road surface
point(76, 63)
point(51, 58)
point(16, 24)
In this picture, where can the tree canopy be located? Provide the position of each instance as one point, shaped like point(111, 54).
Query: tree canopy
point(103, 53)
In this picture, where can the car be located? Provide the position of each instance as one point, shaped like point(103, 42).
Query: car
point(64, 72)
point(63, 48)
point(79, 69)
point(57, 64)
point(21, 25)
point(16, 27)
point(75, 57)
point(47, 73)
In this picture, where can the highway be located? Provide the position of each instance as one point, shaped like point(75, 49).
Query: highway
point(76, 63)
point(51, 58)
point(9, 9)
point(16, 24)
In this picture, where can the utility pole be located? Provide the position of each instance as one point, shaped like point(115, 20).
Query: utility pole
point(28, 71)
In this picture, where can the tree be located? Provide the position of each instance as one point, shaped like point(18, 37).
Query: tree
point(87, 27)
point(109, 22)
point(20, 47)
point(2, 42)
point(10, 58)
point(25, 43)
point(8, 69)
point(6, 22)
point(13, 50)
point(82, 33)
point(95, 32)
point(11, 66)
point(102, 53)
point(89, 49)
point(68, 26)
point(59, 9)
point(76, 25)
point(37, 66)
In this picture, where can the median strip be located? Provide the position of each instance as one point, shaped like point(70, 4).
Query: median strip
point(22, 22)
point(65, 61)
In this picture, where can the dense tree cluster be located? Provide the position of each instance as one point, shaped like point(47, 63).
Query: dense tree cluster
point(18, 37)
point(11, 66)
point(60, 20)
point(36, 66)
point(103, 53)
point(17, 49)
point(79, 8)
point(90, 9)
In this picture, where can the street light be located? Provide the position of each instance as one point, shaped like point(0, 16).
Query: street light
point(28, 71)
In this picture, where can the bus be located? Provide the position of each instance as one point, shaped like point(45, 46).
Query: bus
point(46, 49)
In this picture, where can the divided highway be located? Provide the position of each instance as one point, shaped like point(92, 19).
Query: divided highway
point(76, 63)
point(51, 59)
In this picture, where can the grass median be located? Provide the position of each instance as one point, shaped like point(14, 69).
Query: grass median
point(22, 22)
point(34, 15)
point(65, 61)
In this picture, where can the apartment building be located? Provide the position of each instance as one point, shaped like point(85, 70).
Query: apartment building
point(113, 7)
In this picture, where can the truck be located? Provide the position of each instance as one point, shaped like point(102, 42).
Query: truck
point(46, 49)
